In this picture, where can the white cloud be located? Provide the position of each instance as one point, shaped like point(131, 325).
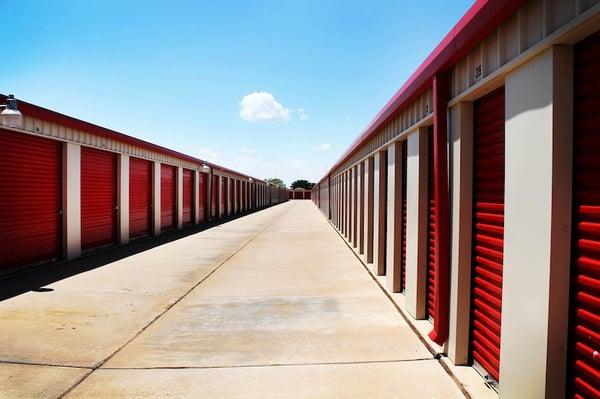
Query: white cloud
point(262, 107)
point(303, 115)
point(209, 155)
point(323, 147)
point(247, 150)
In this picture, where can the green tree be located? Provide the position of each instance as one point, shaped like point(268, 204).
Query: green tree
point(305, 184)
point(277, 182)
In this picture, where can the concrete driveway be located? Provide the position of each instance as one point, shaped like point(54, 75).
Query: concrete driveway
point(273, 305)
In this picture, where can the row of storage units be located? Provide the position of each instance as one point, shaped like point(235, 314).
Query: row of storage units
point(68, 187)
point(299, 193)
point(476, 194)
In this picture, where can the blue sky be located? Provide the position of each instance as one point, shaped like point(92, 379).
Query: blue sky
point(267, 88)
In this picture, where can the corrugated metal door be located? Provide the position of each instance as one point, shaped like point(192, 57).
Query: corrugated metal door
point(223, 199)
point(584, 338)
point(238, 195)
point(404, 203)
point(30, 200)
point(98, 198)
point(214, 196)
point(488, 231)
point(202, 184)
point(243, 203)
point(188, 197)
point(168, 178)
point(431, 244)
point(140, 197)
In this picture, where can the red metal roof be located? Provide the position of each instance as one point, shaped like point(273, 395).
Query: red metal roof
point(478, 22)
point(74, 123)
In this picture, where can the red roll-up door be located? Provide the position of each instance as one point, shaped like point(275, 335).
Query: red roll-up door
point(238, 195)
point(140, 197)
point(431, 244)
point(168, 179)
point(223, 196)
point(98, 198)
point(214, 196)
point(584, 335)
point(488, 231)
point(188, 197)
point(404, 203)
point(202, 185)
point(30, 200)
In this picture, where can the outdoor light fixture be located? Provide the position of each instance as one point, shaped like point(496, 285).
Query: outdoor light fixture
point(205, 168)
point(250, 179)
point(10, 115)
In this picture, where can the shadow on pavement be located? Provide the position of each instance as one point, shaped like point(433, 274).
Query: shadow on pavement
point(35, 278)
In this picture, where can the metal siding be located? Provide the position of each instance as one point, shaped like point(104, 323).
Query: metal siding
point(98, 198)
point(188, 196)
point(168, 178)
point(140, 197)
point(30, 200)
point(488, 231)
point(584, 339)
point(431, 244)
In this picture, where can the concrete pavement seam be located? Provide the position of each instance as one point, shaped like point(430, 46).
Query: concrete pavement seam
point(271, 365)
point(435, 355)
point(66, 366)
point(168, 307)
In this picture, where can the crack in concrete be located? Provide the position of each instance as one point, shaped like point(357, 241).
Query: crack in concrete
point(171, 305)
point(270, 365)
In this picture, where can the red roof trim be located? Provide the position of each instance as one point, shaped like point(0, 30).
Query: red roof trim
point(478, 22)
point(68, 121)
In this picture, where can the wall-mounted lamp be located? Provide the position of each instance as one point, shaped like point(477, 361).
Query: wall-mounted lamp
point(250, 179)
point(10, 115)
point(205, 168)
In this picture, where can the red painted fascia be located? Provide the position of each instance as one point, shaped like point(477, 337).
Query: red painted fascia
point(477, 23)
point(77, 124)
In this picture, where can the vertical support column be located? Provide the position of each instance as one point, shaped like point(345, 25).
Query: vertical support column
point(380, 179)
point(197, 198)
point(156, 197)
point(416, 223)
point(71, 200)
point(179, 198)
point(394, 217)
point(360, 219)
point(537, 226)
point(368, 203)
point(123, 198)
point(461, 164)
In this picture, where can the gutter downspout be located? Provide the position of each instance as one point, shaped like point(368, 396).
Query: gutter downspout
point(442, 265)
